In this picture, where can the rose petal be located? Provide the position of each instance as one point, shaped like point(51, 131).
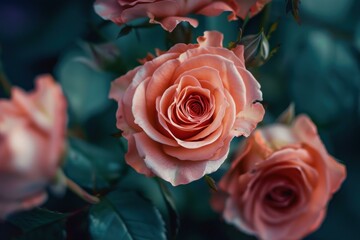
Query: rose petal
point(109, 10)
point(216, 8)
point(169, 23)
point(133, 158)
point(7, 208)
point(211, 39)
point(143, 119)
point(170, 169)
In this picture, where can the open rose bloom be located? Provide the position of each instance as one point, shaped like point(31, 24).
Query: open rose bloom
point(180, 110)
point(279, 185)
point(32, 134)
point(169, 13)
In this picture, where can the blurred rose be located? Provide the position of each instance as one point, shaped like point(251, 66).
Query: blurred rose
point(245, 7)
point(167, 13)
point(32, 134)
point(180, 110)
point(280, 184)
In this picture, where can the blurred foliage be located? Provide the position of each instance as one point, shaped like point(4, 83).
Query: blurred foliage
point(317, 67)
point(92, 167)
point(37, 223)
point(126, 216)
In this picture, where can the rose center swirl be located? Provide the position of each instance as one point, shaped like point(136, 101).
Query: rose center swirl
point(281, 196)
point(195, 106)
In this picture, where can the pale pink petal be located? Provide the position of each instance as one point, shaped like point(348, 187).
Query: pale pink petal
point(337, 174)
point(243, 7)
point(155, 10)
point(210, 152)
point(231, 215)
point(119, 85)
point(32, 129)
point(134, 2)
point(171, 169)
point(161, 79)
point(133, 158)
point(170, 23)
point(109, 10)
point(307, 132)
point(249, 8)
point(46, 107)
point(247, 119)
point(217, 8)
point(42, 104)
point(122, 91)
point(211, 39)
point(239, 53)
point(279, 136)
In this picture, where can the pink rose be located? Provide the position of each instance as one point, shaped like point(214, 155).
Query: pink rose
point(280, 184)
point(167, 13)
point(251, 7)
point(180, 110)
point(32, 134)
point(238, 8)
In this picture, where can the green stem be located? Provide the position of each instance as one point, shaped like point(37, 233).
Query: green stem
point(265, 16)
point(5, 83)
point(81, 192)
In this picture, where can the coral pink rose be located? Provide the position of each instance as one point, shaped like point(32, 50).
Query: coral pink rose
point(168, 13)
point(279, 186)
point(32, 134)
point(180, 110)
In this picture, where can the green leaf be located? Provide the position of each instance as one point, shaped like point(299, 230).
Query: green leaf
point(126, 216)
point(324, 82)
point(91, 166)
point(173, 219)
point(288, 115)
point(40, 224)
point(86, 89)
point(124, 31)
point(210, 182)
point(256, 49)
point(272, 29)
point(293, 7)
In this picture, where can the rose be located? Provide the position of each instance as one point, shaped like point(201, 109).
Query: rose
point(180, 110)
point(32, 134)
point(167, 13)
point(280, 183)
point(243, 8)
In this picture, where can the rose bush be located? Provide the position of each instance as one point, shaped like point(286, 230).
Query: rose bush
point(32, 136)
point(180, 110)
point(280, 184)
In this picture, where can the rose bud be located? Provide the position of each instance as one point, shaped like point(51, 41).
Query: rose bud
point(250, 8)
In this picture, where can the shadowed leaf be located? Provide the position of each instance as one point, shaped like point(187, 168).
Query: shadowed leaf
point(127, 216)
